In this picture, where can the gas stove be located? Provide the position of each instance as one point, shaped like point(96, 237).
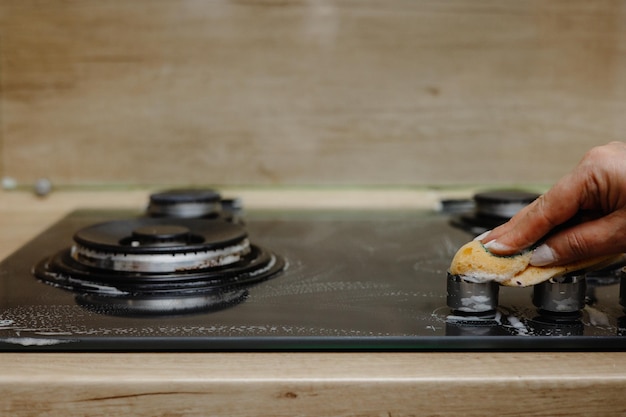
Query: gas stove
point(195, 272)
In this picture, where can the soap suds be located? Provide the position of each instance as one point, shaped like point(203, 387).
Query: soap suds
point(31, 341)
point(597, 317)
point(475, 303)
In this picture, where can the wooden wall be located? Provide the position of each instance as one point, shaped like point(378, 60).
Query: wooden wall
point(307, 92)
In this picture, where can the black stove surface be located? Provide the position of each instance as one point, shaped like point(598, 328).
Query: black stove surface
point(354, 280)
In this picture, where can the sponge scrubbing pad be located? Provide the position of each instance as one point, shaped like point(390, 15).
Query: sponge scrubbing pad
point(473, 262)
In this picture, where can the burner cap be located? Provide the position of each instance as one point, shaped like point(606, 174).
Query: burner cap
point(502, 203)
point(185, 196)
point(160, 245)
point(493, 208)
point(160, 234)
point(471, 297)
point(560, 295)
point(154, 235)
point(185, 203)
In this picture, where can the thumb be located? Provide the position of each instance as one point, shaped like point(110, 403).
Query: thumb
point(599, 237)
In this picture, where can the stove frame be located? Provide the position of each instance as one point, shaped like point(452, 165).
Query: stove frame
point(355, 281)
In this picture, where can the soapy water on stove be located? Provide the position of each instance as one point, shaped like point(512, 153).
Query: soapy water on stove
point(51, 321)
point(597, 318)
point(444, 249)
point(49, 324)
point(475, 303)
point(308, 279)
point(48, 328)
point(515, 322)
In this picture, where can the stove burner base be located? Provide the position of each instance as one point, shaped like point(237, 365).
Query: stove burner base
point(131, 306)
point(160, 266)
point(159, 293)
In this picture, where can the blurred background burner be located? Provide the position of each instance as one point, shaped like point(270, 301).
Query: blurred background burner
point(185, 203)
point(488, 209)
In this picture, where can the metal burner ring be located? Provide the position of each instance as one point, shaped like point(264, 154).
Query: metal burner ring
point(160, 262)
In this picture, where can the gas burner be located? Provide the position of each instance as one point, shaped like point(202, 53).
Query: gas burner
point(472, 298)
point(547, 324)
point(185, 203)
point(491, 209)
point(160, 265)
point(154, 245)
point(560, 296)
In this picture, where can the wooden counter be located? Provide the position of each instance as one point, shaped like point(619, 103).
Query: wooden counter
point(293, 92)
point(281, 384)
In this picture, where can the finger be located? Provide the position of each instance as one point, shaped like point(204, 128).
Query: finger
point(603, 236)
point(533, 222)
point(492, 239)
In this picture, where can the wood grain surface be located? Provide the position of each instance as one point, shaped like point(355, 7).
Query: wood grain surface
point(310, 384)
point(294, 92)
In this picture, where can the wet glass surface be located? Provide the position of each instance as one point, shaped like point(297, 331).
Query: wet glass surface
point(364, 280)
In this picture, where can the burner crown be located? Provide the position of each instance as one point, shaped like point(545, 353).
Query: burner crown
point(185, 203)
point(154, 235)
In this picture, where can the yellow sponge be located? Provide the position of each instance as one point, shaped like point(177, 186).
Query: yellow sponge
point(475, 263)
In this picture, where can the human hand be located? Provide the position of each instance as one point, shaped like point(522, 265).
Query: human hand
point(582, 216)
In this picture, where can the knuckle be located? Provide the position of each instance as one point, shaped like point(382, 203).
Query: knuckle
point(598, 151)
point(617, 234)
point(543, 214)
point(599, 154)
point(577, 245)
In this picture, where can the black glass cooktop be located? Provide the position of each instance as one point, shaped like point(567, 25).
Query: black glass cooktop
point(345, 280)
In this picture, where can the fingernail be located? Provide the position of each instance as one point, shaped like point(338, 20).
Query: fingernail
point(482, 235)
point(497, 246)
point(542, 255)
